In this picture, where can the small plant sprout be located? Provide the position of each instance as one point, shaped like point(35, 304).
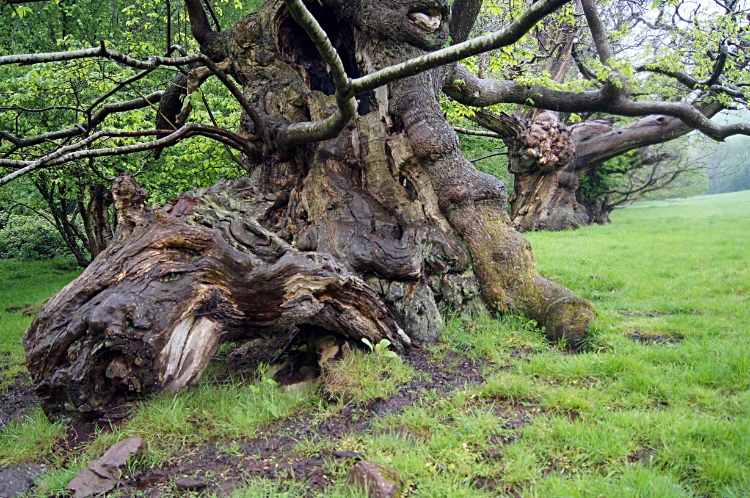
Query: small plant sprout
point(381, 349)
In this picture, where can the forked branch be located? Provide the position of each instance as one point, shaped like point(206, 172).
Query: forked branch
point(293, 134)
point(611, 97)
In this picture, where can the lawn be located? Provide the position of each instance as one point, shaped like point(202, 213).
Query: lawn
point(25, 286)
point(658, 405)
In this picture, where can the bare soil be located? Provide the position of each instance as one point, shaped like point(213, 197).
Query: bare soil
point(20, 399)
point(226, 465)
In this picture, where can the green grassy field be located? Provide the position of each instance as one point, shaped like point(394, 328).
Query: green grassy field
point(657, 406)
point(25, 286)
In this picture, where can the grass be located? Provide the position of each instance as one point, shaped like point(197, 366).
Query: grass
point(362, 377)
point(26, 285)
point(625, 418)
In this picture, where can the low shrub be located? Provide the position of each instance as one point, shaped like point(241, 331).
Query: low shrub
point(28, 237)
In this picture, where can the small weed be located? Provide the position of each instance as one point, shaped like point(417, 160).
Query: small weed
point(381, 349)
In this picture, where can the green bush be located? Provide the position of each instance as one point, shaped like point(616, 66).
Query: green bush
point(28, 237)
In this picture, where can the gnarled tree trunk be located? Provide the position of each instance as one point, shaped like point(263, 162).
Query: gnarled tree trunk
point(367, 234)
point(543, 158)
point(548, 160)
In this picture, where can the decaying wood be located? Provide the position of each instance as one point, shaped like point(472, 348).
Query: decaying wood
point(147, 315)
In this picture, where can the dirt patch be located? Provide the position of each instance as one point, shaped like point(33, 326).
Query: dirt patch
point(19, 401)
point(26, 309)
point(642, 456)
point(81, 432)
point(648, 314)
point(228, 465)
point(646, 338)
point(275, 453)
point(246, 360)
point(448, 375)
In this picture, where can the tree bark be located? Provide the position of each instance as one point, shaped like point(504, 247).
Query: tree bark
point(463, 16)
point(367, 234)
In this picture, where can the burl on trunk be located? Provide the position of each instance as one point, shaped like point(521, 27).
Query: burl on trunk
point(367, 234)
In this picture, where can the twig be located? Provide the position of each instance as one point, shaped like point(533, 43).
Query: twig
point(489, 156)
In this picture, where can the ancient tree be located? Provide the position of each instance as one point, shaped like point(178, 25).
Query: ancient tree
point(359, 214)
point(548, 156)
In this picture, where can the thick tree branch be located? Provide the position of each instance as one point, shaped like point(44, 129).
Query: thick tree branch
point(650, 130)
point(294, 134)
point(689, 114)
point(482, 93)
point(719, 68)
point(199, 24)
point(463, 16)
point(601, 40)
point(478, 92)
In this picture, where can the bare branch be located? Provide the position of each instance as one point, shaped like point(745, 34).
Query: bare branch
point(213, 15)
point(213, 120)
point(199, 24)
point(100, 51)
point(601, 40)
point(82, 129)
point(488, 156)
point(44, 109)
point(477, 133)
point(133, 79)
point(463, 16)
point(71, 152)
